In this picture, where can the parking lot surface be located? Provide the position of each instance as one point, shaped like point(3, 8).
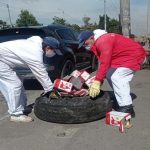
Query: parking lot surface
point(40, 135)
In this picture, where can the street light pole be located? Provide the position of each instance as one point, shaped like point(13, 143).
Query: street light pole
point(148, 11)
point(9, 14)
point(105, 23)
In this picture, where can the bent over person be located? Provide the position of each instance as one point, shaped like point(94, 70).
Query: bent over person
point(120, 57)
point(24, 52)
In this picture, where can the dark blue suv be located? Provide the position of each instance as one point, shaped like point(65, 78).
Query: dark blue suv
point(58, 66)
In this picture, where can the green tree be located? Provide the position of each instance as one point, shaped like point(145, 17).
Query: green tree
point(94, 26)
point(113, 25)
point(62, 21)
point(75, 27)
point(101, 22)
point(26, 19)
point(86, 20)
point(88, 25)
point(3, 24)
point(58, 20)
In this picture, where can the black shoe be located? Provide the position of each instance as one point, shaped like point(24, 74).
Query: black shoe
point(127, 109)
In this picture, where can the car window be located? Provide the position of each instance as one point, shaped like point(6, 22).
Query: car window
point(66, 34)
point(13, 34)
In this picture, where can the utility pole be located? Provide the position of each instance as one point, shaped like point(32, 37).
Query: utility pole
point(148, 25)
point(148, 15)
point(105, 23)
point(125, 17)
point(9, 14)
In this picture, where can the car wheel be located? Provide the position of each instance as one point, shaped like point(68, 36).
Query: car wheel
point(67, 68)
point(72, 110)
point(94, 64)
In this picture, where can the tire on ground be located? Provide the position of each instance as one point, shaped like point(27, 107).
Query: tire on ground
point(73, 110)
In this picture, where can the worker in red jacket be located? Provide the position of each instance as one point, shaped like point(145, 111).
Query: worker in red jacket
point(120, 57)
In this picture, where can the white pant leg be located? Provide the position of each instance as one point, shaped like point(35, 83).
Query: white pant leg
point(119, 80)
point(12, 89)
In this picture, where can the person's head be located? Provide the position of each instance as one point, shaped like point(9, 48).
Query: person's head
point(50, 46)
point(87, 38)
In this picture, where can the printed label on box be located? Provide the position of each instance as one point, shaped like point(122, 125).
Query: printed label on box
point(90, 81)
point(63, 85)
point(117, 119)
point(76, 73)
point(85, 75)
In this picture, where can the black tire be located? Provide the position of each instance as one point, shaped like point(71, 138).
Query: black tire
point(72, 110)
point(94, 64)
point(67, 68)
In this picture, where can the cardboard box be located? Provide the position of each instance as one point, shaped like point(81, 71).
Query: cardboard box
point(78, 79)
point(117, 119)
point(84, 75)
point(82, 92)
point(90, 81)
point(66, 78)
point(63, 85)
point(76, 73)
point(76, 82)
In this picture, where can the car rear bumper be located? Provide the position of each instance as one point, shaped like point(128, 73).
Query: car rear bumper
point(26, 74)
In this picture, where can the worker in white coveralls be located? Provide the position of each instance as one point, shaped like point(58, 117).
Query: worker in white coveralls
point(24, 52)
point(120, 57)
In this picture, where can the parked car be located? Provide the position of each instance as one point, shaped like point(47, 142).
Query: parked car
point(146, 64)
point(58, 66)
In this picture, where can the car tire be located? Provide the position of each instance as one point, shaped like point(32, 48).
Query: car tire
point(94, 64)
point(73, 110)
point(67, 68)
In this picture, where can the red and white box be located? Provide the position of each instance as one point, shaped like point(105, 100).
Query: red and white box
point(117, 119)
point(90, 81)
point(63, 85)
point(82, 92)
point(77, 83)
point(76, 73)
point(85, 75)
point(66, 78)
point(78, 78)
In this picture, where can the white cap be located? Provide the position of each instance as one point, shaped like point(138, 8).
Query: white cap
point(98, 33)
point(37, 39)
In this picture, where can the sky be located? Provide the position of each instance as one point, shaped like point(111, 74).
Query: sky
point(74, 10)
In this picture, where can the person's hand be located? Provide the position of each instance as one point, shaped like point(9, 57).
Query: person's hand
point(46, 94)
point(94, 89)
point(51, 94)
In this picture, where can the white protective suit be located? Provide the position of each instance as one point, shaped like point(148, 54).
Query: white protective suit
point(25, 52)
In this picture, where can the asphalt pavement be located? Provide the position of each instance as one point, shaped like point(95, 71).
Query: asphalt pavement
point(41, 135)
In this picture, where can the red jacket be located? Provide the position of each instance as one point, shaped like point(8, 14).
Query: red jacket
point(114, 50)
